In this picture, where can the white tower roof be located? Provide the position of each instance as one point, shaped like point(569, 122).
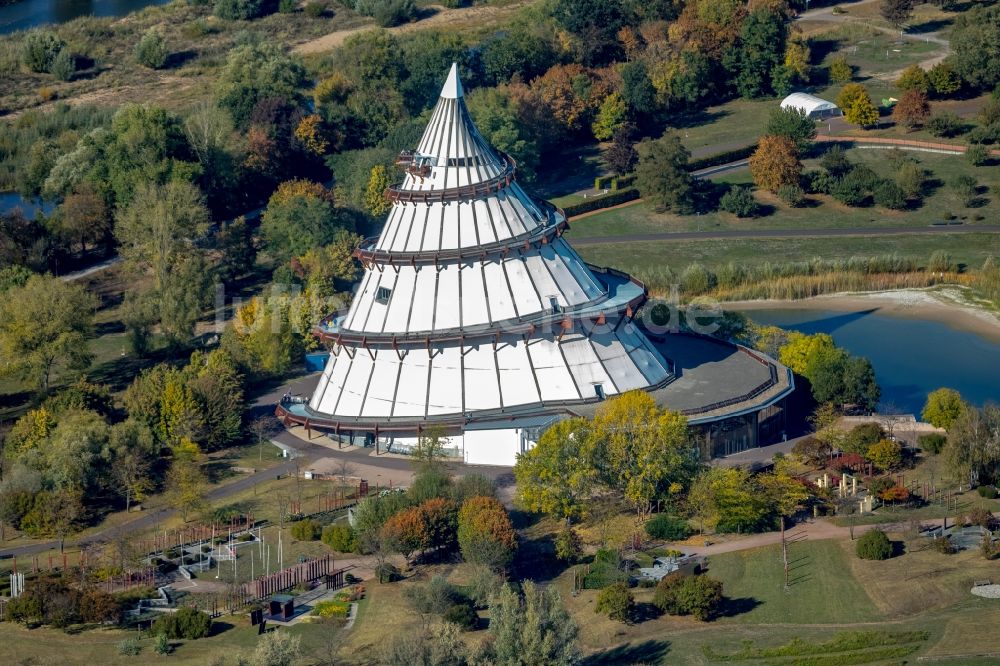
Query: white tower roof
point(472, 305)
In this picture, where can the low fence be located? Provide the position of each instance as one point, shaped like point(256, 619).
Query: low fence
point(304, 572)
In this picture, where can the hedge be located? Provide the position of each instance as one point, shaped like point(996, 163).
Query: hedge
point(597, 203)
point(721, 158)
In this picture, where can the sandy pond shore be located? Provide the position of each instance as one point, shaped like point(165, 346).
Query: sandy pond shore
point(945, 305)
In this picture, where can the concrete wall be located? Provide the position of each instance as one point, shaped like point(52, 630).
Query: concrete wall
point(492, 447)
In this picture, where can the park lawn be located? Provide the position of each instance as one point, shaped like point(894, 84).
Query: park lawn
point(821, 589)
point(825, 212)
point(652, 258)
point(963, 633)
point(921, 579)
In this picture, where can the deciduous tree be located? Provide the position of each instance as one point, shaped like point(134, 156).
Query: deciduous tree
point(912, 109)
point(45, 325)
point(943, 407)
point(485, 533)
point(558, 475)
point(775, 163)
point(662, 174)
point(642, 450)
point(857, 105)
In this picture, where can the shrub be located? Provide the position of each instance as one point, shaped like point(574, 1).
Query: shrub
point(387, 12)
point(739, 201)
point(567, 544)
point(932, 443)
point(699, 596)
point(981, 516)
point(874, 545)
point(665, 526)
point(151, 51)
point(850, 190)
point(129, 647)
point(333, 608)
point(39, 50)
point(287, 6)
point(386, 573)
point(315, 9)
point(984, 135)
point(462, 614)
point(187, 623)
point(616, 601)
point(943, 545)
point(341, 537)
point(696, 279)
point(604, 570)
point(940, 262)
point(792, 195)
point(989, 492)
point(64, 65)
point(977, 155)
point(436, 597)
point(306, 530)
point(239, 10)
point(161, 644)
point(890, 195)
point(945, 124)
point(965, 186)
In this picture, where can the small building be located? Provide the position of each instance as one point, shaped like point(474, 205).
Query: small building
point(814, 107)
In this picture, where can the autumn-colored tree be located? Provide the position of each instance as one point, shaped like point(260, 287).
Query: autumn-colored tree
point(797, 58)
point(943, 407)
point(895, 494)
point(310, 133)
point(800, 353)
point(885, 454)
point(857, 105)
point(335, 88)
point(775, 163)
point(440, 518)
point(298, 187)
point(913, 78)
point(912, 109)
point(631, 41)
point(186, 481)
point(840, 70)
point(83, 218)
point(611, 117)
point(642, 450)
point(485, 533)
point(557, 476)
point(375, 200)
point(407, 531)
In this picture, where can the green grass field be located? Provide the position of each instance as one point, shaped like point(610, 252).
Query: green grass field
point(819, 592)
point(824, 211)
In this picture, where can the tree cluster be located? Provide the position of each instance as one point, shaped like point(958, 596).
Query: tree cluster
point(631, 448)
point(834, 375)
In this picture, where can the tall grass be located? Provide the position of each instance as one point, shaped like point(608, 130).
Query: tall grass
point(804, 279)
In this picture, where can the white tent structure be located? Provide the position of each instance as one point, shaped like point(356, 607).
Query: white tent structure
point(814, 107)
point(473, 314)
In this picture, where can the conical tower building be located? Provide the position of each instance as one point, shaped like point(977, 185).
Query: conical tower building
point(474, 314)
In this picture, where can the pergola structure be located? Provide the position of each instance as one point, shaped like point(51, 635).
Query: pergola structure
point(474, 314)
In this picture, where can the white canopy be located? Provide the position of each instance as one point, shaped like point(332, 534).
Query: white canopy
point(812, 106)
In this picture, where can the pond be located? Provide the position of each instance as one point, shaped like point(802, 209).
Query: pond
point(912, 357)
point(11, 200)
point(33, 13)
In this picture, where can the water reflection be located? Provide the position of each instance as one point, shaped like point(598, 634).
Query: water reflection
point(912, 357)
point(32, 13)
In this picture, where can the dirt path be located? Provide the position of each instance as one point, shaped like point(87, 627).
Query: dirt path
point(441, 18)
point(826, 15)
point(816, 530)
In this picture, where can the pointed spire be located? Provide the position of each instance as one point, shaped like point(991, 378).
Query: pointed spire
point(453, 86)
